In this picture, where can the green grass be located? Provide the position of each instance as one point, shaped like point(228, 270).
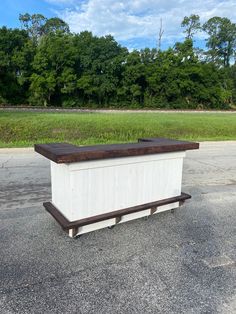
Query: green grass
point(22, 129)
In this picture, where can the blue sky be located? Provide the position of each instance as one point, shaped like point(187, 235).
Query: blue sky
point(133, 23)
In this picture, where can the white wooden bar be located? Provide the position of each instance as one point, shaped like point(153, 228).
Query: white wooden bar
point(90, 188)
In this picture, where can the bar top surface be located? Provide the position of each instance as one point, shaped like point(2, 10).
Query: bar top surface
point(68, 153)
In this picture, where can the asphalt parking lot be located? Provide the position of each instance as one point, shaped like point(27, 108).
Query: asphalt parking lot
point(181, 262)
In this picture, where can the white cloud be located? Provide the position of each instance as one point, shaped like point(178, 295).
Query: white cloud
point(130, 19)
point(61, 2)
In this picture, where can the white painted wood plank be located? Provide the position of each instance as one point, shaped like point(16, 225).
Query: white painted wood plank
point(85, 189)
point(101, 190)
point(111, 222)
point(61, 188)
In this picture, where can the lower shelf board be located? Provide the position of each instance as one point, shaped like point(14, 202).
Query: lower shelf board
point(73, 226)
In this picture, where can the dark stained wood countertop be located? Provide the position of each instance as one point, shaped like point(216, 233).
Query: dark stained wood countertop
point(67, 153)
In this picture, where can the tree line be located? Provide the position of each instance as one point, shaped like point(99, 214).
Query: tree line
point(44, 64)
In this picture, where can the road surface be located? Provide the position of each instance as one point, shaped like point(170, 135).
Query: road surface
point(181, 262)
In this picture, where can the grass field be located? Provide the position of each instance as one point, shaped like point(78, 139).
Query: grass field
point(22, 129)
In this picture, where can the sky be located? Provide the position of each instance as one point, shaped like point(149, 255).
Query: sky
point(133, 23)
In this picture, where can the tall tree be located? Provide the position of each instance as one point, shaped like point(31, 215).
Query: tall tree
point(53, 67)
point(221, 41)
point(191, 24)
point(134, 81)
point(33, 24)
point(99, 68)
point(54, 25)
point(12, 43)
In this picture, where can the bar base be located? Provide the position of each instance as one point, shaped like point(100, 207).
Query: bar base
point(75, 228)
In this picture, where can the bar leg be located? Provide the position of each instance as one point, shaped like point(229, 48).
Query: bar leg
point(153, 210)
point(180, 204)
point(117, 220)
point(72, 232)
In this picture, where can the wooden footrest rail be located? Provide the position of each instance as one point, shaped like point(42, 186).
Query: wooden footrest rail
point(66, 224)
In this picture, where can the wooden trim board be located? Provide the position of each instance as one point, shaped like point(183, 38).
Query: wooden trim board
point(66, 224)
point(67, 153)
